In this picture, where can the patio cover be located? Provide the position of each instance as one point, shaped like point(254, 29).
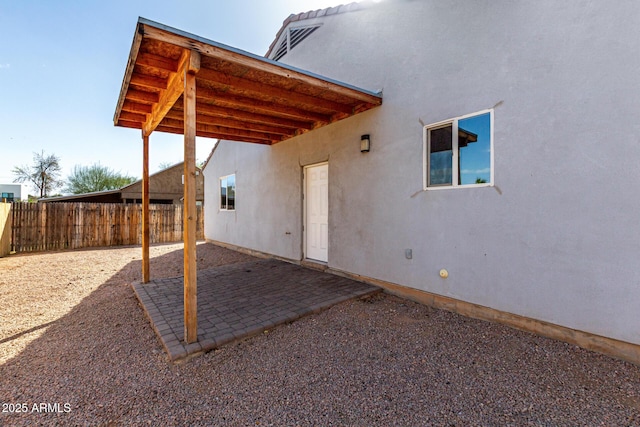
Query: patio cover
point(180, 83)
point(239, 97)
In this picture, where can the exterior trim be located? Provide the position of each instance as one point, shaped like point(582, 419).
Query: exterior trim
point(305, 168)
point(425, 161)
point(608, 346)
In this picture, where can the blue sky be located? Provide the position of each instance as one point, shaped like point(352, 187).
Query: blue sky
point(62, 64)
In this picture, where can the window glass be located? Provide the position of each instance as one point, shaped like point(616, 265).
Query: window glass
point(440, 152)
point(474, 147)
point(458, 151)
point(228, 192)
point(231, 192)
point(223, 193)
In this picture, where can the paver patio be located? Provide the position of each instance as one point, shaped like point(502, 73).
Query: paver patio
point(239, 300)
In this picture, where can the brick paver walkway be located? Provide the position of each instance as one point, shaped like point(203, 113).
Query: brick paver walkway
point(239, 300)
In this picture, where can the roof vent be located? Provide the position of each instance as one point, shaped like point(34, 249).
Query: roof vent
point(292, 38)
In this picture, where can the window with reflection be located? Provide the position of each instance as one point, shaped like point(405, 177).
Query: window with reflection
point(228, 193)
point(458, 151)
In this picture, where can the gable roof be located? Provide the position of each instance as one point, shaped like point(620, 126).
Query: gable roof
point(134, 187)
point(342, 8)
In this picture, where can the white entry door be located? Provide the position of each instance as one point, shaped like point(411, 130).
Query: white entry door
point(317, 212)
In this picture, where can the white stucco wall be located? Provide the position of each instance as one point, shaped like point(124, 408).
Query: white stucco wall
point(19, 191)
point(556, 238)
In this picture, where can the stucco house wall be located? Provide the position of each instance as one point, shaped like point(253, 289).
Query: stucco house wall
point(19, 191)
point(554, 238)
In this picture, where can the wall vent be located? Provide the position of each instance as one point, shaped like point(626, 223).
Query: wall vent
point(292, 38)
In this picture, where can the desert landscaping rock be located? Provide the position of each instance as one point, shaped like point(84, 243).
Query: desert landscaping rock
point(72, 336)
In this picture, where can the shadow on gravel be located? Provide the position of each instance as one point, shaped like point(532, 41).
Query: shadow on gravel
point(96, 358)
point(28, 331)
point(380, 361)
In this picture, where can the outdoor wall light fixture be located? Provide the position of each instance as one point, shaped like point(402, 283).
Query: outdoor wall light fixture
point(365, 144)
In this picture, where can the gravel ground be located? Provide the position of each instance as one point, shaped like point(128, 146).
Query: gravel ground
point(73, 336)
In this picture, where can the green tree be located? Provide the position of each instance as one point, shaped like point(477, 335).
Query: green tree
point(165, 165)
point(43, 174)
point(87, 179)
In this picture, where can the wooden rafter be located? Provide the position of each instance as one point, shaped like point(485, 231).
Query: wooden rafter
point(239, 96)
point(218, 135)
point(136, 107)
point(157, 62)
point(257, 90)
point(149, 81)
point(222, 130)
point(233, 123)
point(189, 64)
point(218, 97)
point(251, 117)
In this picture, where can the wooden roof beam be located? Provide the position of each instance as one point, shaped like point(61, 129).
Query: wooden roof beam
point(157, 62)
point(212, 110)
point(129, 124)
point(133, 117)
point(214, 129)
point(236, 84)
point(148, 81)
point(140, 95)
point(189, 63)
point(136, 107)
point(217, 135)
point(219, 97)
point(233, 123)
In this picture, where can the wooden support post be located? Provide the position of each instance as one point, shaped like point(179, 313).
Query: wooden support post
point(145, 208)
point(190, 215)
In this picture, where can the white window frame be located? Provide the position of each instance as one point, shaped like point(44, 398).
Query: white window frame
point(226, 209)
point(454, 158)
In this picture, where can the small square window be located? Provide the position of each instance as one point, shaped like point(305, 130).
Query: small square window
point(228, 193)
point(459, 152)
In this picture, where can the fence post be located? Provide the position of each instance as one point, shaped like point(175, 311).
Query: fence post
point(5, 228)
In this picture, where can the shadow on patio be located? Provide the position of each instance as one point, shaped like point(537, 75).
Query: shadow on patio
point(240, 300)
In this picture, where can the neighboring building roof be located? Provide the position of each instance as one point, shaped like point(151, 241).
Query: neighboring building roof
point(343, 8)
point(98, 195)
point(165, 185)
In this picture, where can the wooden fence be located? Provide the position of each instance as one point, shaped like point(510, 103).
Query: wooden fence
point(5, 229)
point(55, 226)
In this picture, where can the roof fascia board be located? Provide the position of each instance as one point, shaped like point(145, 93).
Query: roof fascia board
point(80, 195)
point(131, 62)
